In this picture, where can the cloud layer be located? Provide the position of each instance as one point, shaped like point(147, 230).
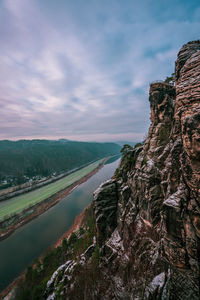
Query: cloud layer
point(81, 69)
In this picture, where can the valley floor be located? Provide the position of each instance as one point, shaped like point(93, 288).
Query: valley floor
point(24, 208)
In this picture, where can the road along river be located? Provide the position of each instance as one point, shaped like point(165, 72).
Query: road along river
point(31, 240)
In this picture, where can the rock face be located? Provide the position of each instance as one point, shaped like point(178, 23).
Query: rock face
point(148, 217)
point(105, 205)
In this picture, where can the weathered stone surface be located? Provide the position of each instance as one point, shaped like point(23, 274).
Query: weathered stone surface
point(163, 185)
point(105, 207)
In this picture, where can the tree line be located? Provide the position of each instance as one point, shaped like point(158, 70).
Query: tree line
point(23, 159)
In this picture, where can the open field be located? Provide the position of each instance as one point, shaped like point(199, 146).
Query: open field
point(19, 203)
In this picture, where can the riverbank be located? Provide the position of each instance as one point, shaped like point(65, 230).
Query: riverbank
point(7, 227)
point(75, 227)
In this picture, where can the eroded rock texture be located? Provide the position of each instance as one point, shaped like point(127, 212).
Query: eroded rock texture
point(148, 218)
point(105, 206)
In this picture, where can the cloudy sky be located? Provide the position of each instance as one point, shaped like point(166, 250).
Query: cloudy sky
point(80, 69)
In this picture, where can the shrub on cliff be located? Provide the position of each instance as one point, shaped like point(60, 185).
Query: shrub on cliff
point(170, 79)
point(126, 161)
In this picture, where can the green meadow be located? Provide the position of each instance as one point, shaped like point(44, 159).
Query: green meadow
point(19, 203)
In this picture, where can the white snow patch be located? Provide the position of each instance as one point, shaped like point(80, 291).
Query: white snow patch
point(115, 241)
point(51, 297)
point(82, 260)
point(69, 277)
point(125, 188)
point(172, 201)
point(101, 187)
point(150, 163)
point(175, 199)
point(71, 266)
point(116, 244)
point(55, 274)
point(157, 282)
point(67, 269)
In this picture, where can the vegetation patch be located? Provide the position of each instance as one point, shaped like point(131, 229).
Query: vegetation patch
point(25, 160)
point(129, 155)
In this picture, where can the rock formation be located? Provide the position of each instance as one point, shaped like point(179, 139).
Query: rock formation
point(148, 216)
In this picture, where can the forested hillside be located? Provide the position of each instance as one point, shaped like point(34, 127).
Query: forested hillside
point(24, 159)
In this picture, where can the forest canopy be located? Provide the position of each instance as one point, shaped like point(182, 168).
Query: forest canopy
point(29, 158)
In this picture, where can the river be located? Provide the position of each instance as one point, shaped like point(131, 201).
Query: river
point(31, 240)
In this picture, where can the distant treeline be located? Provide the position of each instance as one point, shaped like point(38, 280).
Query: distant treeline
point(30, 158)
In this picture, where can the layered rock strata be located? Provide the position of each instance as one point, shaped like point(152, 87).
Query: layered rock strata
point(148, 217)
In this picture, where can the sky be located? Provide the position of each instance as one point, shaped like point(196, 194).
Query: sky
point(81, 69)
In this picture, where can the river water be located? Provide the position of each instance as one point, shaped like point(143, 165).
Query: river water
point(31, 240)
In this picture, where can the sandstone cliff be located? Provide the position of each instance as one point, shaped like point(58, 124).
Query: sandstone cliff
point(148, 217)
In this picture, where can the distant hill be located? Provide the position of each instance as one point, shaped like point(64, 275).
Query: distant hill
point(28, 158)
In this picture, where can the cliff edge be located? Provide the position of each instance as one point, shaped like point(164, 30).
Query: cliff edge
point(145, 238)
point(148, 217)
